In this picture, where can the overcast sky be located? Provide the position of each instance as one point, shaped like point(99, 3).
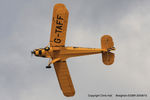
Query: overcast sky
point(25, 25)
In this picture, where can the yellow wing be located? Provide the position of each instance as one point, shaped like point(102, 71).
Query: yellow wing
point(59, 25)
point(64, 78)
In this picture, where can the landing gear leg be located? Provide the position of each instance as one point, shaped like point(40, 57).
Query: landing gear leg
point(52, 62)
point(48, 66)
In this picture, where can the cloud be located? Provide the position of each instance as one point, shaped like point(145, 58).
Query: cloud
point(25, 25)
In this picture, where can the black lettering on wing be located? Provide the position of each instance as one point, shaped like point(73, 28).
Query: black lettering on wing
point(59, 17)
point(56, 30)
point(59, 27)
point(58, 22)
point(57, 40)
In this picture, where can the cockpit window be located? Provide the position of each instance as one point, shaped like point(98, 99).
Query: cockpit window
point(47, 48)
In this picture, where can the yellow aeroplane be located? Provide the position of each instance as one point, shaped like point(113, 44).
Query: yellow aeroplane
point(57, 51)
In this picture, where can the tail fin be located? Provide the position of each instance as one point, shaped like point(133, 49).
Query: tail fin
point(107, 44)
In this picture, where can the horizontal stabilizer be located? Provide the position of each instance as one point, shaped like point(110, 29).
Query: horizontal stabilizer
point(107, 42)
point(108, 58)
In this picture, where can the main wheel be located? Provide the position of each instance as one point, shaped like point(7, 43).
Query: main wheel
point(48, 66)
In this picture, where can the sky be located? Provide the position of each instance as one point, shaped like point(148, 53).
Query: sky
point(25, 25)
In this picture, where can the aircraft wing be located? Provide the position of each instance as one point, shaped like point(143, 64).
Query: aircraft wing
point(59, 25)
point(64, 78)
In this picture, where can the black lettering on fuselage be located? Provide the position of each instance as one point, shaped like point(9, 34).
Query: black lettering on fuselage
point(58, 28)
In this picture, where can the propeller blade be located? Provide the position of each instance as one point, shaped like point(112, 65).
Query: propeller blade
point(32, 52)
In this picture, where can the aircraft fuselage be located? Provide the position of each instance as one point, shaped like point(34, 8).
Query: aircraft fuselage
point(65, 52)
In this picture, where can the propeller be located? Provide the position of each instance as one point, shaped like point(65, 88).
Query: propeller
point(32, 52)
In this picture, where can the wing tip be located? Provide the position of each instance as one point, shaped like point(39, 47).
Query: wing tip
point(59, 5)
point(69, 94)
